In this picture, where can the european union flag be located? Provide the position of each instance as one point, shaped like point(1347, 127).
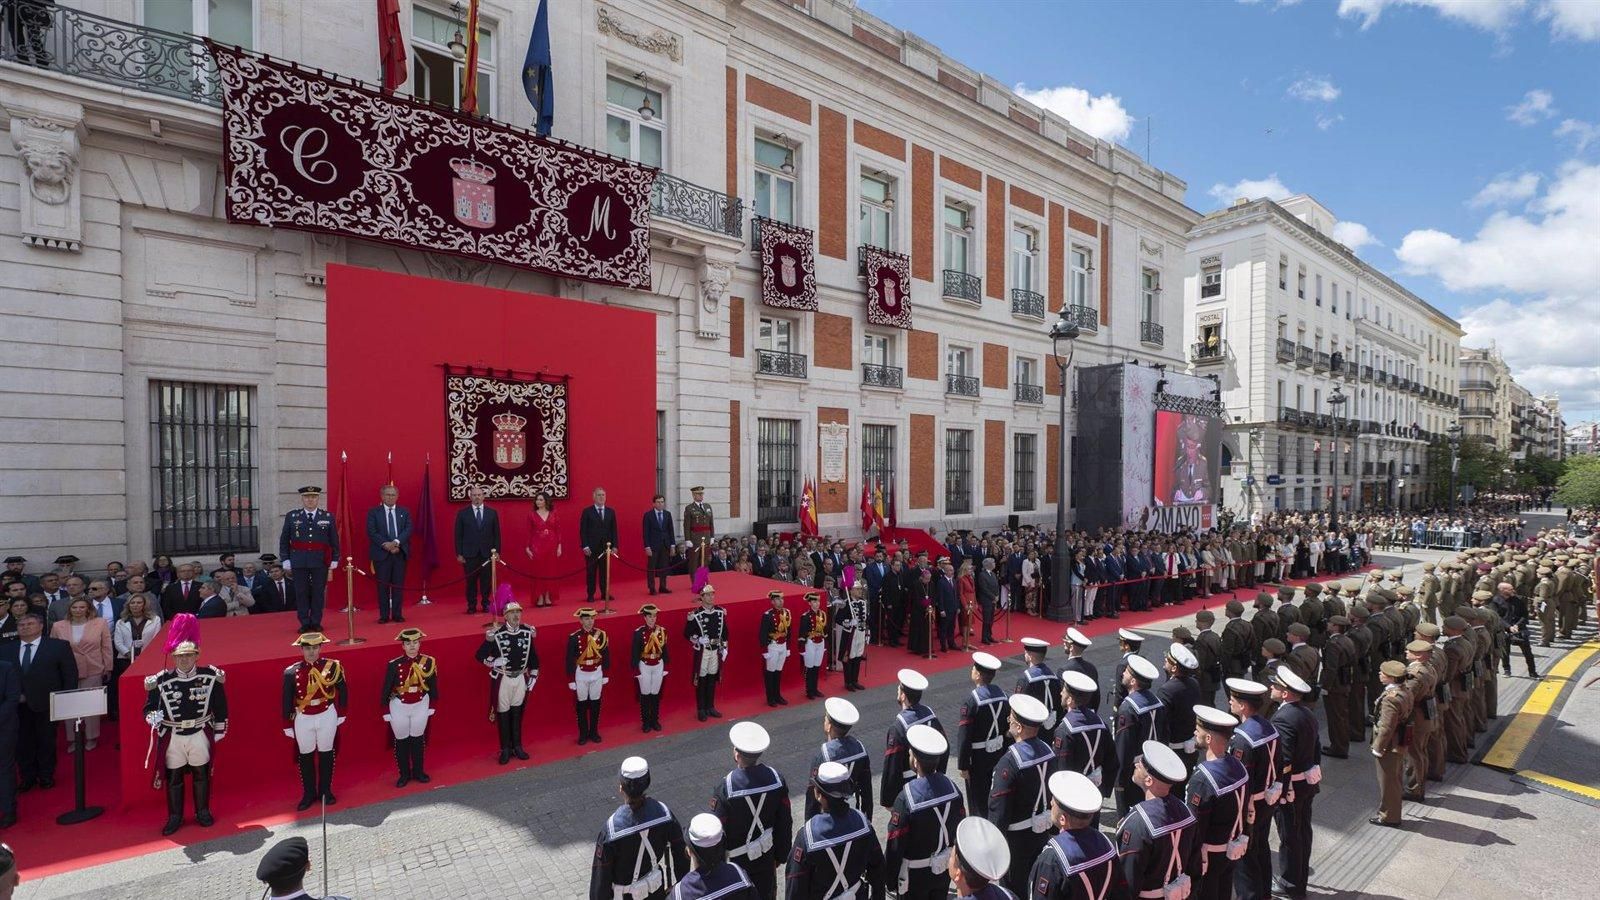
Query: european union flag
point(537, 81)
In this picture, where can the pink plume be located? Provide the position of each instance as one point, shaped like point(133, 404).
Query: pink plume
point(184, 627)
point(849, 579)
point(502, 599)
point(702, 577)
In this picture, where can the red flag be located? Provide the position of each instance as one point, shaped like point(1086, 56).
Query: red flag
point(427, 543)
point(469, 75)
point(877, 504)
point(341, 509)
point(391, 45)
point(866, 506)
point(808, 517)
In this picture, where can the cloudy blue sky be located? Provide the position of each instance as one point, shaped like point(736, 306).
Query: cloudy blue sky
point(1459, 140)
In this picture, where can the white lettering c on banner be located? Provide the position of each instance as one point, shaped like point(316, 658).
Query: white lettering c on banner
point(294, 138)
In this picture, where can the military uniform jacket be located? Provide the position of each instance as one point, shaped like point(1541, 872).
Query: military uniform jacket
point(775, 628)
point(1312, 615)
point(1338, 664)
point(1075, 865)
point(1083, 744)
point(313, 688)
point(813, 626)
point(515, 646)
point(1255, 744)
point(1287, 615)
point(922, 827)
point(1018, 799)
point(699, 521)
point(187, 703)
point(649, 645)
point(309, 539)
point(1461, 653)
point(753, 804)
point(1399, 634)
point(409, 680)
point(851, 615)
point(1428, 591)
point(1391, 714)
point(1156, 843)
point(833, 856)
point(1265, 625)
point(587, 650)
point(897, 751)
point(1422, 684)
point(1218, 794)
point(707, 629)
point(1378, 650)
point(1307, 663)
point(724, 881)
point(981, 730)
point(1179, 696)
point(850, 753)
point(1207, 649)
point(1332, 606)
point(1043, 685)
point(636, 847)
point(1237, 650)
point(1299, 745)
point(1361, 637)
point(1140, 718)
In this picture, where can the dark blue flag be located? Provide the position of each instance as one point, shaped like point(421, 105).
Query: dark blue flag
point(537, 81)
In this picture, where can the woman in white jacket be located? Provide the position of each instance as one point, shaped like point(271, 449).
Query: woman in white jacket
point(135, 629)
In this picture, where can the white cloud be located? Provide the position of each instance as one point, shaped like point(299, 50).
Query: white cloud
point(1326, 122)
point(1576, 20)
point(1584, 133)
point(1251, 189)
point(1354, 235)
point(1102, 116)
point(1314, 89)
point(1507, 189)
point(1535, 106)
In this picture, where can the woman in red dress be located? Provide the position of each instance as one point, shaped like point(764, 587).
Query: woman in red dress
point(544, 548)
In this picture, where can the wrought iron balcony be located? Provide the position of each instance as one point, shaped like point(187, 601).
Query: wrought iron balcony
point(1322, 362)
point(777, 362)
point(1303, 357)
point(963, 286)
point(1030, 393)
point(1366, 373)
point(689, 203)
point(1483, 411)
point(882, 376)
point(1285, 350)
point(1204, 352)
point(1027, 303)
point(1476, 384)
point(1288, 415)
point(1152, 333)
point(1352, 370)
point(1086, 317)
point(961, 385)
point(61, 39)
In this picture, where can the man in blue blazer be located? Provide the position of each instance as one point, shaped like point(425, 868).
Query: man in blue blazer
point(659, 536)
point(388, 545)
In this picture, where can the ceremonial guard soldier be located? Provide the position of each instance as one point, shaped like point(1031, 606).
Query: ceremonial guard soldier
point(814, 642)
point(314, 694)
point(1237, 651)
point(1140, 718)
point(1180, 693)
point(1460, 652)
point(1218, 793)
point(640, 851)
point(753, 803)
point(699, 526)
point(309, 548)
point(713, 875)
point(1338, 676)
point(588, 661)
point(1129, 642)
point(1083, 742)
point(1207, 650)
point(981, 732)
point(981, 861)
point(1079, 863)
point(839, 716)
point(774, 644)
point(1422, 681)
point(1018, 803)
point(284, 869)
point(1300, 765)
point(850, 615)
point(1264, 624)
point(410, 686)
point(649, 664)
point(1040, 683)
point(181, 703)
point(508, 651)
point(836, 854)
point(923, 822)
point(1076, 643)
point(1156, 840)
point(1391, 740)
point(1255, 743)
point(896, 753)
point(707, 631)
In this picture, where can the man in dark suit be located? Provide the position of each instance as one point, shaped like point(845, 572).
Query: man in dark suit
point(388, 545)
point(892, 603)
point(597, 528)
point(948, 603)
point(275, 593)
point(182, 595)
point(477, 536)
point(659, 536)
point(46, 665)
point(10, 697)
point(987, 586)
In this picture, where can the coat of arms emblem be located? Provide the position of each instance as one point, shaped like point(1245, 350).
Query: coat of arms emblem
point(788, 273)
point(891, 290)
point(474, 196)
point(510, 440)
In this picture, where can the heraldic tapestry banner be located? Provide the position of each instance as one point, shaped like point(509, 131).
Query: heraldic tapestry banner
point(507, 435)
point(788, 266)
point(310, 152)
point(888, 287)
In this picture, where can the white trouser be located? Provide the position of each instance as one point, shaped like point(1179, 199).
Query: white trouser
point(588, 684)
point(650, 677)
point(513, 692)
point(409, 720)
point(811, 652)
point(315, 731)
point(776, 656)
point(710, 662)
point(188, 749)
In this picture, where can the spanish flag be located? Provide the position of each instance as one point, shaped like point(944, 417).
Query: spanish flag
point(469, 76)
point(877, 504)
point(808, 510)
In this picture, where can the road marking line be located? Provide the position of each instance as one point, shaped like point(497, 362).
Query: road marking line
point(1515, 738)
point(1562, 784)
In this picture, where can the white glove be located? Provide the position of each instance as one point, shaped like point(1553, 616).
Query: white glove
point(1378, 753)
point(724, 654)
point(333, 565)
point(154, 719)
point(430, 713)
point(498, 662)
point(604, 680)
point(288, 732)
point(339, 722)
point(287, 565)
point(387, 718)
point(217, 736)
point(572, 686)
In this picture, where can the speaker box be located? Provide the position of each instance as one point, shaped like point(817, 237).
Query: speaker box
point(760, 529)
point(1013, 521)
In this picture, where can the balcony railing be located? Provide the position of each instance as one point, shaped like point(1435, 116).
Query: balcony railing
point(1288, 415)
point(1285, 350)
point(1352, 370)
point(1152, 333)
point(882, 376)
point(1303, 357)
point(1087, 317)
point(1204, 352)
point(963, 286)
point(1478, 411)
point(1476, 384)
point(777, 362)
point(689, 203)
point(1030, 393)
point(65, 40)
point(1027, 303)
point(961, 385)
point(1322, 362)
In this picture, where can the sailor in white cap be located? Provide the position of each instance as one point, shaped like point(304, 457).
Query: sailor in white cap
point(1075, 643)
point(1018, 801)
point(1255, 744)
point(981, 734)
point(640, 852)
point(1300, 759)
point(713, 875)
point(838, 717)
point(1040, 682)
point(1080, 861)
point(836, 853)
point(1129, 642)
point(922, 823)
point(1141, 717)
point(896, 753)
point(1180, 692)
point(753, 803)
point(980, 861)
point(1083, 742)
point(1218, 794)
point(1155, 841)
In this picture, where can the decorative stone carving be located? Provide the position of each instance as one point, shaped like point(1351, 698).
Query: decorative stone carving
point(714, 280)
point(1149, 249)
point(657, 41)
point(49, 149)
point(457, 268)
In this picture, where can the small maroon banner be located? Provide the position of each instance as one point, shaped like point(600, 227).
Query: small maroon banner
point(888, 287)
point(506, 435)
point(788, 266)
point(311, 152)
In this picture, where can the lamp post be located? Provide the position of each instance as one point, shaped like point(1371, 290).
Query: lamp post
point(1455, 461)
point(1336, 400)
point(1251, 439)
point(1064, 328)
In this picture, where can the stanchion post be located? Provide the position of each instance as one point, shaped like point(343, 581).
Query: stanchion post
point(605, 589)
point(424, 601)
point(494, 580)
point(703, 550)
point(350, 603)
point(933, 619)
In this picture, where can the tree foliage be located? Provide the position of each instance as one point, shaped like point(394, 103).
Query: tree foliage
point(1579, 485)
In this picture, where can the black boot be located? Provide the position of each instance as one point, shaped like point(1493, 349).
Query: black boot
point(812, 674)
point(655, 712)
point(770, 681)
point(174, 800)
point(325, 776)
point(594, 721)
point(711, 697)
point(516, 732)
point(402, 758)
point(417, 773)
point(644, 713)
point(202, 796)
point(777, 688)
point(503, 722)
point(583, 722)
point(308, 781)
point(700, 700)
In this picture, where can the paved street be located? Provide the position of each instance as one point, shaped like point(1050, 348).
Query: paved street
point(530, 834)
